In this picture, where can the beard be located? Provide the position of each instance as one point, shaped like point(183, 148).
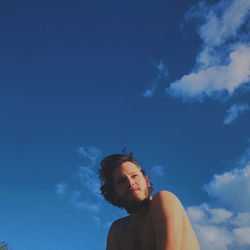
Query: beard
point(134, 205)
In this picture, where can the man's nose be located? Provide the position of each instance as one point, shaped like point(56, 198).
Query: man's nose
point(131, 182)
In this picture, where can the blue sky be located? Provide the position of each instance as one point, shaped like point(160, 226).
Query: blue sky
point(80, 79)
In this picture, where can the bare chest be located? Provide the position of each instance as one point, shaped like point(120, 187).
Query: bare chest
point(139, 237)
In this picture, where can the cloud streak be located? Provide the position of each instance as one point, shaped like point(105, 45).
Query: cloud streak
point(223, 64)
point(234, 111)
point(87, 180)
point(162, 73)
point(87, 173)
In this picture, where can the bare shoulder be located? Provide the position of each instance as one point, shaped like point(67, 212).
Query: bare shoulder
point(163, 193)
point(167, 201)
point(169, 216)
point(165, 196)
point(117, 225)
point(115, 233)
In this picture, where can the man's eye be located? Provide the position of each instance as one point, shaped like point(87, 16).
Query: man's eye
point(134, 175)
point(122, 180)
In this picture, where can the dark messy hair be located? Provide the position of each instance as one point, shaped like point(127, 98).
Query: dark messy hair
point(108, 165)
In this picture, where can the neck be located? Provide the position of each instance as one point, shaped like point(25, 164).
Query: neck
point(140, 213)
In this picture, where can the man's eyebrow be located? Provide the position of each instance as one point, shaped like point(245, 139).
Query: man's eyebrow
point(132, 172)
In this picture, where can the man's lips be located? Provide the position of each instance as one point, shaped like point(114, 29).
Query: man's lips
point(133, 190)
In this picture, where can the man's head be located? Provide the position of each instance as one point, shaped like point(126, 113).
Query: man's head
point(124, 183)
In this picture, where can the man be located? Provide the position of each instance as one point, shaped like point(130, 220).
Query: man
point(154, 223)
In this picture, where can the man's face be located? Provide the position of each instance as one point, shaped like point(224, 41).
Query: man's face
point(131, 186)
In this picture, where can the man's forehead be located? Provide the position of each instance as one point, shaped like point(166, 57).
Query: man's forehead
point(127, 167)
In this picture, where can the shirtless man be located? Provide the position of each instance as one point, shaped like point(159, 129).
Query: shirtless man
point(154, 223)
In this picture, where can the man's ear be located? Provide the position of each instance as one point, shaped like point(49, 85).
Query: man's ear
point(147, 180)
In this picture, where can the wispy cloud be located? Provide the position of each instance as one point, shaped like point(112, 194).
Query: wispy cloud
point(87, 173)
point(61, 188)
point(223, 64)
point(234, 111)
point(97, 221)
point(81, 204)
point(150, 91)
point(162, 73)
point(87, 179)
point(157, 171)
point(224, 224)
point(245, 158)
point(90, 155)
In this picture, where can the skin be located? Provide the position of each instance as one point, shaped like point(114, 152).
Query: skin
point(163, 225)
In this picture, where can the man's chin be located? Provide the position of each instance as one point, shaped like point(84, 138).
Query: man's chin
point(134, 205)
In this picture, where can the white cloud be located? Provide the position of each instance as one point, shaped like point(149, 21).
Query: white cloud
point(205, 215)
point(223, 64)
point(234, 111)
point(225, 223)
point(218, 28)
point(242, 219)
point(162, 73)
point(61, 188)
point(212, 237)
point(215, 78)
point(231, 189)
point(242, 235)
point(219, 215)
point(215, 230)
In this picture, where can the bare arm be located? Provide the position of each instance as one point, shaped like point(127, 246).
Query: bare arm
point(168, 219)
point(112, 242)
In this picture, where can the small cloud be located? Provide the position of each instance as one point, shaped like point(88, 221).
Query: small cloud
point(149, 92)
point(61, 188)
point(234, 111)
point(157, 171)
